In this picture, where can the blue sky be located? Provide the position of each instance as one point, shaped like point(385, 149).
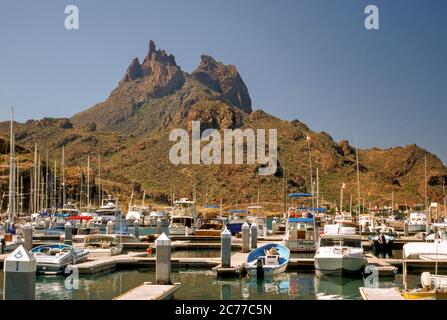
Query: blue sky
point(310, 60)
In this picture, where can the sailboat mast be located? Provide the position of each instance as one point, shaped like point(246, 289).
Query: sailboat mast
point(88, 182)
point(55, 185)
point(425, 183)
point(11, 207)
point(81, 186)
point(99, 179)
point(46, 181)
point(35, 185)
point(358, 176)
point(63, 176)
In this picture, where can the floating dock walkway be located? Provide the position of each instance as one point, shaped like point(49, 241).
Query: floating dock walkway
point(150, 291)
point(380, 293)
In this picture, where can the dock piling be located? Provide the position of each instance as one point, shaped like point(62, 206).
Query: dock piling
point(46, 225)
point(254, 236)
point(274, 226)
point(28, 235)
point(225, 251)
point(163, 260)
point(19, 271)
point(245, 238)
point(158, 226)
point(110, 227)
point(68, 227)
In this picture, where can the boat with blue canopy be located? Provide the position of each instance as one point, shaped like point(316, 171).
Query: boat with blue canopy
point(236, 220)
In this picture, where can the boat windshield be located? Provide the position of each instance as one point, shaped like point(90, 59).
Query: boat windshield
point(182, 221)
point(347, 242)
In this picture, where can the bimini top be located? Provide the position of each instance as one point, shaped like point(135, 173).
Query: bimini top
point(301, 220)
point(294, 195)
point(237, 211)
point(212, 206)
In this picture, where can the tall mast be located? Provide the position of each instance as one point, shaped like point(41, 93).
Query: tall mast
point(46, 181)
point(443, 191)
point(318, 190)
point(88, 182)
point(39, 198)
point(358, 175)
point(81, 174)
point(99, 180)
point(35, 185)
point(63, 175)
point(12, 204)
point(425, 183)
point(55, 184)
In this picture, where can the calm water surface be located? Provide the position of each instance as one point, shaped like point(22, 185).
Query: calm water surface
point(203, 285)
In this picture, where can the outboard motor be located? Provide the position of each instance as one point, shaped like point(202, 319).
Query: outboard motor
point(259, 269)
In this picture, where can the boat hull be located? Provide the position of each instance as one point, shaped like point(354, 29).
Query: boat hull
point(341, 265)
point(268, 272)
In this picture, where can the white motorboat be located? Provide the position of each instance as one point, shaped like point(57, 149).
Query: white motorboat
point(340, 254)
point(161, 215)
point(300, 233)
point(54, 258)
point(184, 218)
point(417, 222)
point(256, 215)
point(109, 211)
point(103, 245)
point(10, 242)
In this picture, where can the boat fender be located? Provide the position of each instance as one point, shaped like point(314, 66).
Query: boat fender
point(426, 280)
point(149, 250)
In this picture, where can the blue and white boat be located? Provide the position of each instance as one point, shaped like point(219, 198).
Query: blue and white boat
point(235, 220)
point(268, 260)
point(54, 258)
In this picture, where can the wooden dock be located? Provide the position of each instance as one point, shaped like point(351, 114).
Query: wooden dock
point(237, 266)
point(150, 291)
point(380, 293)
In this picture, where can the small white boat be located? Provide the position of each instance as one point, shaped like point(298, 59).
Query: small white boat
point(103, 245)
point(11, 242)
point(417, 222)
point(268, 260)
point(154, 216)
point(340, 254)
point(54, 258)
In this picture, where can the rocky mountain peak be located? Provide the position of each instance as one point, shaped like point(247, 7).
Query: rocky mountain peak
point(224, 79)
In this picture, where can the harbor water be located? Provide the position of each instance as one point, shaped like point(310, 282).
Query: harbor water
point(204, 285)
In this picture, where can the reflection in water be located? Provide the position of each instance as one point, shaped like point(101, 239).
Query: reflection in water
point(203, 285)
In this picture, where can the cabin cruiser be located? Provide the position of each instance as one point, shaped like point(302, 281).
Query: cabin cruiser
point(154, 216)
point(300, 231)
point(103, 245)
point(210, 227)
point(417, 222)
point(268, 260)
point(366, 222)
point(109, 211)
point(54, 258)
point(184, 217)
point(340, 252)
point(137, 213)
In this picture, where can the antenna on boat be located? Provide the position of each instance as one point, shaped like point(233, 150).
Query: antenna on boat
point(358, 176)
